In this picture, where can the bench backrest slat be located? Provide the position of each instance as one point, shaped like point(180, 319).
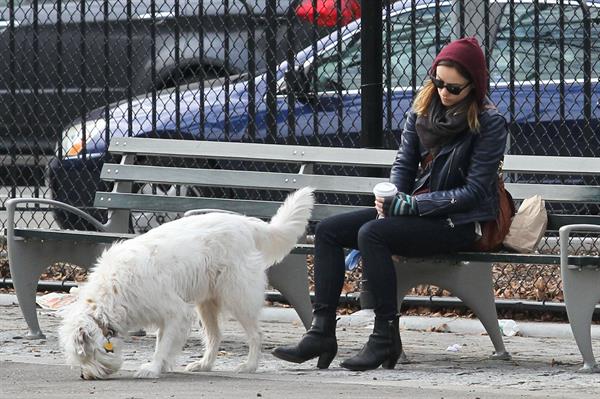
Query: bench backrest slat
point(551, 165)
point(323, 183)
point(556, 192)
point(261, 209)
point(161, 203)
point(253, 152)
point(238, 178)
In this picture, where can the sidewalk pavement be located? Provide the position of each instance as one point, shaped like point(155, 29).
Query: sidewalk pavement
point(544, 364)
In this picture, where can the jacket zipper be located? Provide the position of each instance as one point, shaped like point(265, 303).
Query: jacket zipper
point(449, 167)
point(443, 202)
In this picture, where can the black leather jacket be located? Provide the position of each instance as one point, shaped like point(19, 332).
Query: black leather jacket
point(463, 180)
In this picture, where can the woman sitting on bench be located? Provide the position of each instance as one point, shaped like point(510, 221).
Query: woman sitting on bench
point(446, 176)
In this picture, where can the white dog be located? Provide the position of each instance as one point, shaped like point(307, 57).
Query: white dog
point(215, 261)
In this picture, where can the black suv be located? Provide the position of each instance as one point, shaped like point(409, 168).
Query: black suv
point(60, 59)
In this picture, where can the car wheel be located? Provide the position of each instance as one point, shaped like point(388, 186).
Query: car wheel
point(142, 222)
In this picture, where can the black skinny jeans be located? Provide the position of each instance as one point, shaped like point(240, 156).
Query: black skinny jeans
point(378, 240)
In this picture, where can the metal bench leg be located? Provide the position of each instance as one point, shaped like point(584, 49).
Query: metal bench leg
point(290, 277)
point(28, 259)
point(581, 289)
point(472, 282)
point(475, 289)
point(26, 267)
point(581, 296)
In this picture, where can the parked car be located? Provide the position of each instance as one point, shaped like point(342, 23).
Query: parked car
point(546, 103)
point(59, 60)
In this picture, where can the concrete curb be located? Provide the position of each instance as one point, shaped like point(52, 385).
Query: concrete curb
point(364, 318)
point(468, 326)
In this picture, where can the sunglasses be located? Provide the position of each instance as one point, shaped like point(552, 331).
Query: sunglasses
point(454, 89)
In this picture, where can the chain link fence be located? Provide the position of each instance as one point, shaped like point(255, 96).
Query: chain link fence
point(75, 74)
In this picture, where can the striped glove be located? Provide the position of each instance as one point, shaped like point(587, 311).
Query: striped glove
point(400, 205)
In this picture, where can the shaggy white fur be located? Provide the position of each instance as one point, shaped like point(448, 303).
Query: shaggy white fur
point(214, 262)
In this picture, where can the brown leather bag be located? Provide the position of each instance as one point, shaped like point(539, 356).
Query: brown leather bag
point(494, 231)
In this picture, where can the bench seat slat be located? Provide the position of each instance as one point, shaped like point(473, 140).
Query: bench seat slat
point(498, 257)
point(532, 259)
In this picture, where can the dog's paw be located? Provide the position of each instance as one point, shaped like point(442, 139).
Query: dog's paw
point(148, 370)
point(246, 368)
point(198, 366)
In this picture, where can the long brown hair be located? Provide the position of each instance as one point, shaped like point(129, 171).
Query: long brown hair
point(425, 95)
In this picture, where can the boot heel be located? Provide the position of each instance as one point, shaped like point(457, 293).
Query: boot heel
point(319, 341)
point(325, 360)
point(390, 362)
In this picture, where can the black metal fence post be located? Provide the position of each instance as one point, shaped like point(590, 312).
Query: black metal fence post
point(271, 33)
point(371, 84)
point(371, 93)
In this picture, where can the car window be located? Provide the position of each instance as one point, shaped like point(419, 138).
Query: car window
point(347, 61)
point(331, 62)
point(425, 50)
point(549, 43)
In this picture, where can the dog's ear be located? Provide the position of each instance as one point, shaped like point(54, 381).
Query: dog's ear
point(82, 341)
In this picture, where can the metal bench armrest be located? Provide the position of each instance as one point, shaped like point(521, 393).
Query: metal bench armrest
point(11, 206)
point(565, 231)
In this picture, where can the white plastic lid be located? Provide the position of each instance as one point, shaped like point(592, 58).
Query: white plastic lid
point(384, 189)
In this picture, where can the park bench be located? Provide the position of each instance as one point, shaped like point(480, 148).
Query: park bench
point(234, 170)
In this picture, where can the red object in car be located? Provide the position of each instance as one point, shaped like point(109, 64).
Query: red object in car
point(327, 11)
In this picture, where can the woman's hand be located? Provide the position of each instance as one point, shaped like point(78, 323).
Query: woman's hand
point(379, 205)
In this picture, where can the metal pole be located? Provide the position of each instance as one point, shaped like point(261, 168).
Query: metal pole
point(371, 93)
point(371, 36)
point(271, 38)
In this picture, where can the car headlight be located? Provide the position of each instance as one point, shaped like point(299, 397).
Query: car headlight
point(72, 138)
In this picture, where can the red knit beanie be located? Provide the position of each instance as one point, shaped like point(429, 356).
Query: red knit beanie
point(467, 53)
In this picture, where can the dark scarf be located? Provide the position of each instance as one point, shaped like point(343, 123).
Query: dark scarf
point(441, 125)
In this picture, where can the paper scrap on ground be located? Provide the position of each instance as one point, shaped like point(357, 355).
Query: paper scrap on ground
point(453, 348)
point(509, 327)
point(55, 300)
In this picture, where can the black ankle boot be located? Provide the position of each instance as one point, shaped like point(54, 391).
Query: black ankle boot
point(383, 348)
point(319, 341)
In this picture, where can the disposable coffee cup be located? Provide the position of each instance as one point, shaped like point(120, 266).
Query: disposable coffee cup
point(384, 190)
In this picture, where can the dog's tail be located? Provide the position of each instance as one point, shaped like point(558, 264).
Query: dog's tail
point(276, 239)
